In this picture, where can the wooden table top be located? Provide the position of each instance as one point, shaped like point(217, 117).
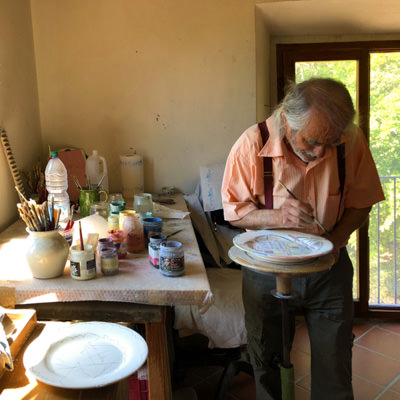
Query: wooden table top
point(136, 282)
point(18, 384)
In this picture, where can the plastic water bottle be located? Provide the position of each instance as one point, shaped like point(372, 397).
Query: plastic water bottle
point(57, 185)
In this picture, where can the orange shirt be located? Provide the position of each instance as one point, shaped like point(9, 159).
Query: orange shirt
point(316, 183)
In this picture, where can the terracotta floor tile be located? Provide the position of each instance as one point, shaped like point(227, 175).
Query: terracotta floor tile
point(365, 390)
point(305, 383)
point(301, 362)
point(382, 341)
point(373, 366)
point(301, 394)
point(390, 395)
point(396, 385)
point(360, 327)
point(301, 340)
point(391, 327)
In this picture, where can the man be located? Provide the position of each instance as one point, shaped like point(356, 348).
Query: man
point(315, 117)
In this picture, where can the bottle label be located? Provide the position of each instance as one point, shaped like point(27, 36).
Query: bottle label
point(83, 270)
point(154, 255)
point(173, 266)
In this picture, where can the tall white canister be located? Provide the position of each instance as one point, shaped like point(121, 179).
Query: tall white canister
point(132, 175)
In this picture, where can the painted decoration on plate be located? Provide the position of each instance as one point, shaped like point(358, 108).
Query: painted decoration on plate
point(282, 244)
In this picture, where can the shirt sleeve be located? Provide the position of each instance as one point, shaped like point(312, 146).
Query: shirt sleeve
point(363, 186)
point(239, 191)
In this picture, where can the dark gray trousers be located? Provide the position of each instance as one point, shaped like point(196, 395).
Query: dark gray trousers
point(327, 301)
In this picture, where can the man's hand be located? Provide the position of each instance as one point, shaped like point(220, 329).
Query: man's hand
point(296, 214)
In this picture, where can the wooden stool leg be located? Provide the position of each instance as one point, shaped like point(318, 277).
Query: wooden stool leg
point(284, 293)
point(158, 362)
point(284, 284)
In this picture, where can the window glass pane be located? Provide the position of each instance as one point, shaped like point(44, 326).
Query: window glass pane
point(385, 148)
point(344, 71)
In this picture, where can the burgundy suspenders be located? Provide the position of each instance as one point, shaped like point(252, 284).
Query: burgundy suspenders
point(268, 177)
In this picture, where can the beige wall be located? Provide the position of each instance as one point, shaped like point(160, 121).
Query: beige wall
point(174, 80)
point(19, 114)
point(263, 66)
point(178, 81)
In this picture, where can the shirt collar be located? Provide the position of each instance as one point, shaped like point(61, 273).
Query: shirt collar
point(275, 147)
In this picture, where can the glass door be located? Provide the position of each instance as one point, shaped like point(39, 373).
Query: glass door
point(384, 227)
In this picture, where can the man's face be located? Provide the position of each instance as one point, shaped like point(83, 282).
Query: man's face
point(311, 142)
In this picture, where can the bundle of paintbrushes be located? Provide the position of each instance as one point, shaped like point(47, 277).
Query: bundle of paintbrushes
point(89, 185)
point(38, 217)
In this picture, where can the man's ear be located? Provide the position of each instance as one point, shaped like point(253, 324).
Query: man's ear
point(285, 123)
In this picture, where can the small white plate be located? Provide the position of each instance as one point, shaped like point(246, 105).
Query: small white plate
point(86, 355)
point(282, 246)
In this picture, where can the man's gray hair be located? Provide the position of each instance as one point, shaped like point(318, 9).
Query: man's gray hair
point(324, 95)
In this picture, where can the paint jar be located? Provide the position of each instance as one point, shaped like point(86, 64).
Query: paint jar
point(113, 222)
point(154, 249)
point(133, 230)
point(82, 262)
point(172, 262)
point(117, 206)
point(143, 204)
point(68, 235)
point(122, 215)
point(151, 226)
point(116, 197)
point(119, 240)
point(109, 261)
point(102, 244)
point(100, 208)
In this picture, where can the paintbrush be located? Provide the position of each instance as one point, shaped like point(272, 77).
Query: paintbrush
point(100, 182)
point(81, 236)
point(312, 216)
point(76, 181)
point(174, 233)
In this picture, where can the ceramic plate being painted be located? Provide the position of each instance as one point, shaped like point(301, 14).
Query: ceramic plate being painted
point(282, 246)
point(86, 355)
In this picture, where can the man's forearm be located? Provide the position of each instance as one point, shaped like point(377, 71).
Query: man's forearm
point(259, 219)
point(351, 220)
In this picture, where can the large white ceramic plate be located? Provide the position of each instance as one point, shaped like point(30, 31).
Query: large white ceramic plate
point(282, 246)
point(86, 355)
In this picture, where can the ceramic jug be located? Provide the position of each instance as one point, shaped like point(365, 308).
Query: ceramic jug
point(46, 254)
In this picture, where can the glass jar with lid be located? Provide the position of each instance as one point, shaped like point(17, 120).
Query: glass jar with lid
point(133, 230)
